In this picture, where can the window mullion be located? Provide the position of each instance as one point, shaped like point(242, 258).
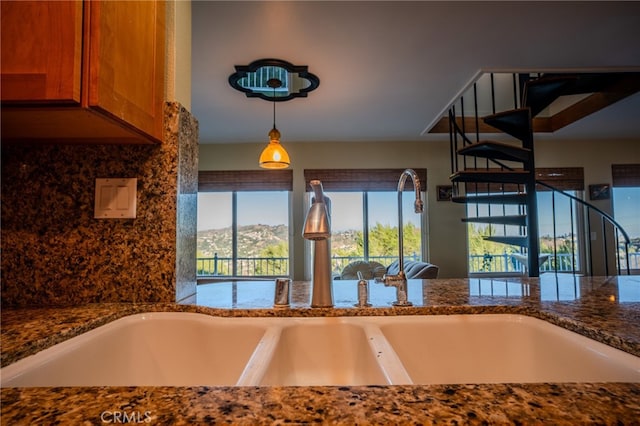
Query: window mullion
point(365, 226)
point(234, 233)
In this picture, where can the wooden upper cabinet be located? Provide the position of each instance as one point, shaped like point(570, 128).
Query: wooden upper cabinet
point(41, 51)
point(126, 61)
point(83, 71)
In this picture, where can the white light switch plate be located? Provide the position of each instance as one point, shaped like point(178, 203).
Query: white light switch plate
point(115, 198)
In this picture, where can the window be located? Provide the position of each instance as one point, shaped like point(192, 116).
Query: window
point(364, 215)
point(364, 226)
point(558, 232)
point(243, 224)
point(558, 228)
point(214, 241)
point(488, 256)
point(626, 204)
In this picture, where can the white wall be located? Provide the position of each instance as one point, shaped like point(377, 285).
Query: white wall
point(178, 52)
point(446, 233)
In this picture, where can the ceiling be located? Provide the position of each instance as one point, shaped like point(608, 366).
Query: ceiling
point(389, 70)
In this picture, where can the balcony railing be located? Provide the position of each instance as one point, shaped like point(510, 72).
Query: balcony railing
point(217, 266)
point(279, 266)
point(504, 262)
point(244, 266)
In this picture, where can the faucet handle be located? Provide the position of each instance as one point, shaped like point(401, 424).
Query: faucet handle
point(398, 281)
point(391, 280)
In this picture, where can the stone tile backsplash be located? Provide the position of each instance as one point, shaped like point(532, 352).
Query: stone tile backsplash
point(53, 250)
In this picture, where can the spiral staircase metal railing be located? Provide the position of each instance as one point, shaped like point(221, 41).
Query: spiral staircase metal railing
point(499, 173)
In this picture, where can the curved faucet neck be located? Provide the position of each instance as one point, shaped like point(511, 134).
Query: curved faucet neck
point(418, 205)
point(318, 192)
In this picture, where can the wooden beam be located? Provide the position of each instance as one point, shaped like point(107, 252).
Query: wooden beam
point(587, 106)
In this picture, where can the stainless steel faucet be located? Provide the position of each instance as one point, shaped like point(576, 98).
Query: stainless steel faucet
point(317, 228)
point(399, 281)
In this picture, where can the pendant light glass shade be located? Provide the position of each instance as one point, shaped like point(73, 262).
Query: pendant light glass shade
point(274, 156)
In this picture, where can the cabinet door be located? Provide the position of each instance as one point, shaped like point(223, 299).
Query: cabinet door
point(126, 62)
point(41, 51)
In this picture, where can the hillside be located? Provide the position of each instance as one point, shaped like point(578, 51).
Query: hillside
point(253, 239)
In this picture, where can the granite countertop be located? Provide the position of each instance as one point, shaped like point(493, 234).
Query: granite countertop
point(605, 309)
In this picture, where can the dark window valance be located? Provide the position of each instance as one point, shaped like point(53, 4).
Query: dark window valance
point(362, 179)
point(564, 178)
point(245, 180)
point(625, 175)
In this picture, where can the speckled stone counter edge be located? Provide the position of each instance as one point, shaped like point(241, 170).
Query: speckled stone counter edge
point(30, 330)
point(558, 404)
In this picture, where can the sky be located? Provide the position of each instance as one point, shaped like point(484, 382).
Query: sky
point(265, 208)
point(627, 209)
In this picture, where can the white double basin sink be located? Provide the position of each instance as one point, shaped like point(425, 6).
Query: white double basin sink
point(190, 349)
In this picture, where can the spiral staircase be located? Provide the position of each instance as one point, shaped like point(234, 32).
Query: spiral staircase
point(504, 173)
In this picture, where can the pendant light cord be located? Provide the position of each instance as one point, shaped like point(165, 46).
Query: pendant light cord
point(274, 108)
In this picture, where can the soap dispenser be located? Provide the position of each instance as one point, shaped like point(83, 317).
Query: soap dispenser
point(363, 292)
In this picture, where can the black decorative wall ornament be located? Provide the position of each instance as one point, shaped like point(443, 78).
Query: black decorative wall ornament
point(601, 191)
point(253, 80)
point(444, 192)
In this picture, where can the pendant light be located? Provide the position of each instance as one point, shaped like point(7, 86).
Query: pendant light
point(274, 156)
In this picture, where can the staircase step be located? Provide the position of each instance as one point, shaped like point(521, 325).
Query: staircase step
point(518, 220)
point(497, 176)
point(541, 92)
point(497, 150)
point(521, 241)
point(520, 198)
point(515, 122)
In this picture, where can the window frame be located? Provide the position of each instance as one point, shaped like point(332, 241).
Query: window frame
point(364, 181)
point(561, 178)
point(237, 181)
point(624, 176)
